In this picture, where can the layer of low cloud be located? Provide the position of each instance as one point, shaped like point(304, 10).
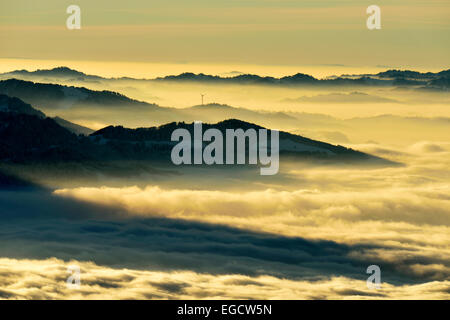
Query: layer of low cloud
point(403, 210)
point(310, 238)
point(155, 243)
point(46, 279)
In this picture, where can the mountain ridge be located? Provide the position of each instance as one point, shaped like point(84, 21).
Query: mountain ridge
point(390, 76)
point(15, 105)
point(56, 96)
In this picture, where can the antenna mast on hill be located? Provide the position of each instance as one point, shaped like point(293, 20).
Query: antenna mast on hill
point(203, 97)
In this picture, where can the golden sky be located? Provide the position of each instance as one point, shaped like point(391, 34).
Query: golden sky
point(272, 36)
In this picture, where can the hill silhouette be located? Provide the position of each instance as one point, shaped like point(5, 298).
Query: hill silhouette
point(15, 105)
point(55, 96)
point(389, 77)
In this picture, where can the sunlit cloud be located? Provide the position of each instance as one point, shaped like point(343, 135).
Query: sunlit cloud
point(46, 279)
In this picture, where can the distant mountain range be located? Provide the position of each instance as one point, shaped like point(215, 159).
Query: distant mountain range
point(438, 80)
point(55, 72)
point(30, 137)
point(298, 78)
point(408, 74)
point(390, 77)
